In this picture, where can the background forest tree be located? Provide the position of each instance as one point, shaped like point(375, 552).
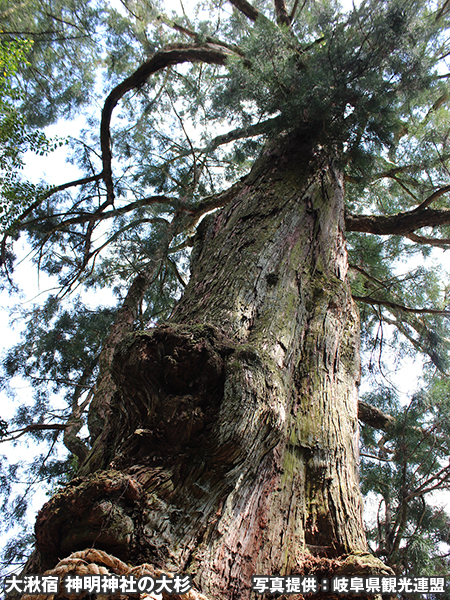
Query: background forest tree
point(180, 102)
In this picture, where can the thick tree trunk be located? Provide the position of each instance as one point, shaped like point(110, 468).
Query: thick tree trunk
point(232, 446)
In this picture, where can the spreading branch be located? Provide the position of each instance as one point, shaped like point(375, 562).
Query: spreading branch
point(255, 130)
point(18, 224)
point(400, 224)
point(434, 196)
point(210, 53)
point(374, 417)
point(377, 282)
point(395, 306)
point(199, 38)
point(420, 239)
point(244, 132)
point(211, 203)
point(246, 8)
point(443, 10)
point(17, 433)
point(99, 215)
point(294, 9)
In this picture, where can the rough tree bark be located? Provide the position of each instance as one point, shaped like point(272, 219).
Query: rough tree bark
point(232, 445)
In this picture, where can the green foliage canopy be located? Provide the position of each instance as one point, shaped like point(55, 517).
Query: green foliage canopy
point(16, 138)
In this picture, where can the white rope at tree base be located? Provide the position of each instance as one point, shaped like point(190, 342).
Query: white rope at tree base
point(85, 562)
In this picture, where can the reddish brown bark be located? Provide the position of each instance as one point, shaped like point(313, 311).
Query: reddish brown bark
point(230, 447)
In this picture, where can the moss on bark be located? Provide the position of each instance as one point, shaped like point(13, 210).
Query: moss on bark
point(237, 419)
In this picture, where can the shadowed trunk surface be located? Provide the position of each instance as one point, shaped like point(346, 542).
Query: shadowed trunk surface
point(232, 449)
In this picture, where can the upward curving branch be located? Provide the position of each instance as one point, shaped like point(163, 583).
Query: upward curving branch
point(173, 54)
point(208, 52)
point(434, 196)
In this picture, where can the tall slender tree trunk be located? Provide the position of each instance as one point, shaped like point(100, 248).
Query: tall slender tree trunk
point(232, 445)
